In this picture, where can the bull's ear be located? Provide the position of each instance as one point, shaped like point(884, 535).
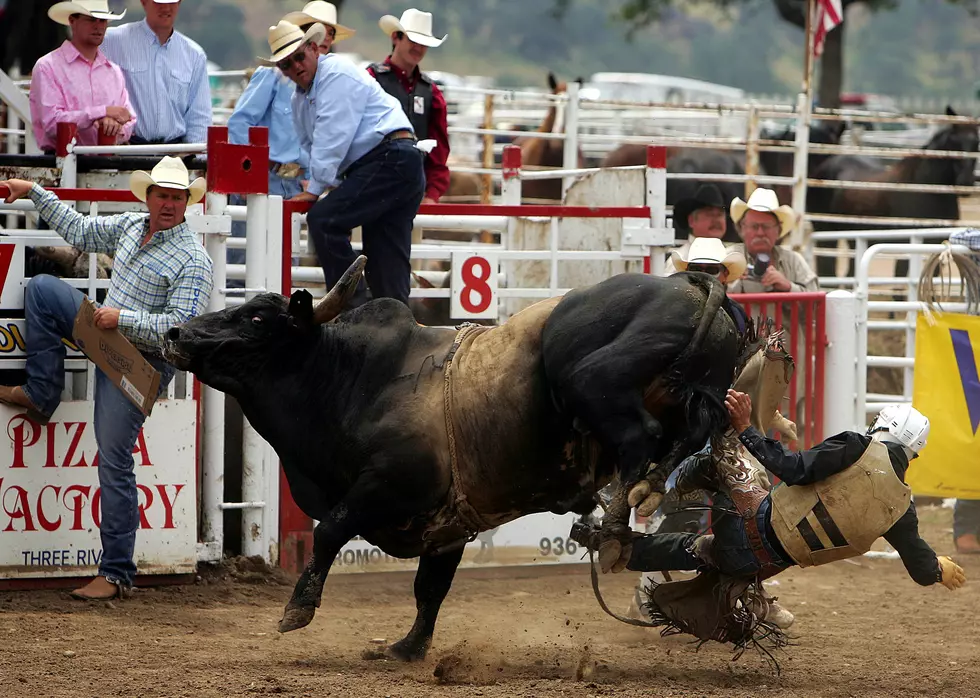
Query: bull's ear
point(300, 315)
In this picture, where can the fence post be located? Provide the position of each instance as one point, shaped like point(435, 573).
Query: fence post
point(840, 363)
point(656, 175)
point(253, 446)
point(213, 408)
point(570, 145)
point(752, 150)
point(800, 156)
point(510, 194)
point(486, 195)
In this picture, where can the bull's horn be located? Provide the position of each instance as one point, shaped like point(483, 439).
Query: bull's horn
point(333, 303)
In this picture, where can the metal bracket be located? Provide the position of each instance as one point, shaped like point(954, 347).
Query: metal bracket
point(202, 223)
point(639, 237)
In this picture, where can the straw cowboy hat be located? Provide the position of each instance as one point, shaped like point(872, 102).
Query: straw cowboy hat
point(706, 195)
point(711, 251)
point(415, 24)
point(322, 12)
point(767, 201)
point(99, 9)
point(169, 173)
point(286, 38)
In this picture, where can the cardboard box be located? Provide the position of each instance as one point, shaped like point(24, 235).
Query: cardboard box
point(118, 359)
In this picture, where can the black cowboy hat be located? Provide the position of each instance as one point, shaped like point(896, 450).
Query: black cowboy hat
point(706, 195)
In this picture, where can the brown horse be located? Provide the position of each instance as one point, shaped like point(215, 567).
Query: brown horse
point(691, 160)
point(545, 152)
point(894, 204)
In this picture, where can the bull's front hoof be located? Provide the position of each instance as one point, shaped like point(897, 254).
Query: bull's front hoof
point(296, 617)
point(407, 651)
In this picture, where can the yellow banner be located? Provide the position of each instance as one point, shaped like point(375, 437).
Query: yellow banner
point(946, 389)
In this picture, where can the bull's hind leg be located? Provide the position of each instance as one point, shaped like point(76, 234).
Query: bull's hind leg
point(432, 582)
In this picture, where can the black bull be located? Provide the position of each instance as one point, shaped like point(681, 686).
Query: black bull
point(544, 411)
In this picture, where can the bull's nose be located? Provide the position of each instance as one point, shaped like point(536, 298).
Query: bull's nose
point(173, 334)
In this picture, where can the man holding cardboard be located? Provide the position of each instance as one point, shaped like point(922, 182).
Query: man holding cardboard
point(161, 276)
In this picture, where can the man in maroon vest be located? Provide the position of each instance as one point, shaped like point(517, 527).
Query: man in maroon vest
point(422, 100)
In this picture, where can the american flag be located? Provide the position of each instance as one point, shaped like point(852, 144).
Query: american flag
point(830, 13)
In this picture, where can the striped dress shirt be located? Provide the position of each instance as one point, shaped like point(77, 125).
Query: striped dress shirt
point(157, 285)
point(343, 117)
point(168, 83)
point(267, 101)
point(66, 87)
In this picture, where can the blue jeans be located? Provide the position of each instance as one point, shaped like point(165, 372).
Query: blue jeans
point(286, 188)
point(51, 306)
point(731, 550)
point(966, 517)
point(381, 193)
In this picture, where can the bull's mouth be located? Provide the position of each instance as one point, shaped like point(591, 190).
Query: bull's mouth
point(174, 355)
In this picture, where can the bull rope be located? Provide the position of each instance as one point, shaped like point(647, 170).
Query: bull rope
point(465, 513)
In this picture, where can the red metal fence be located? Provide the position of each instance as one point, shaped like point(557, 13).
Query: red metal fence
point(802, 316)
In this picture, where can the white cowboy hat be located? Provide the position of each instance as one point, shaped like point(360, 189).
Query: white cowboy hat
point(286, 38)
point(415, 24)
point(711, 251)
point(169, 173)
point(767, 201)
point(99, 9)
point(322, 12)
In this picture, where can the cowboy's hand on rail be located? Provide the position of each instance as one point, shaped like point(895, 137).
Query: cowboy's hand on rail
point(775, 278)
point(953, 575)
point(18, 189)
point(107, 318)
point(305, 196)
point(739, 410)
point(120, 115)
point(109, 126)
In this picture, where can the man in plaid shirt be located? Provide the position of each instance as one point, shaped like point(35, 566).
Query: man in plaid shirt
point(161, 277)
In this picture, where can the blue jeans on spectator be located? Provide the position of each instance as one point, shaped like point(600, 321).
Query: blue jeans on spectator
point(51, 306)
point(966, 517)
point(381, 193)
point(286, 188)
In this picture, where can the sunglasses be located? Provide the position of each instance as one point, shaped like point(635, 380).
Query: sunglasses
point(713, 269)
point(295, 59)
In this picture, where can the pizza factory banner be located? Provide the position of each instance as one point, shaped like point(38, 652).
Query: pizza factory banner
point(946, 389)
point(49, 492)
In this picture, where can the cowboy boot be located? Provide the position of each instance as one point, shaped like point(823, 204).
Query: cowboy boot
point(100, 589)
point(15, 396)
point(968, 544)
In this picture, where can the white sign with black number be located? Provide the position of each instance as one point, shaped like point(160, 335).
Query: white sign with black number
point(473, 285)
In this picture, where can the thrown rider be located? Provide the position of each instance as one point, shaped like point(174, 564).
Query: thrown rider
point(834, 500)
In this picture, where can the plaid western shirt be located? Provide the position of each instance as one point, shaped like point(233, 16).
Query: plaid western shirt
point(156, 286)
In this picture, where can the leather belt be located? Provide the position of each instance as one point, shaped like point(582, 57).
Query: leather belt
point(398, 135)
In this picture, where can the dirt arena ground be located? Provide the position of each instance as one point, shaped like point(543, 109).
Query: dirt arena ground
point(863, 629)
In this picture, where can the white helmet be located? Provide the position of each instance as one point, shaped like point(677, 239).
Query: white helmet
point(901, 424)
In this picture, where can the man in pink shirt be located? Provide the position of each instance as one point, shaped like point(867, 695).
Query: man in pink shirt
point(77, 83)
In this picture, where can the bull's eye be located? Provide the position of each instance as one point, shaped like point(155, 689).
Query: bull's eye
point(257, 320)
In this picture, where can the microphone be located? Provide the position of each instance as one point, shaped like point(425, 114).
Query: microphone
point(760, 265)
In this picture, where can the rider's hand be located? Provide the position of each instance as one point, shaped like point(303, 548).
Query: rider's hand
point(19, 188)
point(953, 575)
point(739, 410)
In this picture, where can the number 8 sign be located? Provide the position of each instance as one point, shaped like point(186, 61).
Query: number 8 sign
point(473, 285)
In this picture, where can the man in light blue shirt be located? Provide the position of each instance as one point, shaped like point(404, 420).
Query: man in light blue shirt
point(166, 76)
point(362, 149)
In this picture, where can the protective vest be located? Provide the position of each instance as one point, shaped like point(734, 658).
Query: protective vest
point(417, 105)
point(842, 516)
